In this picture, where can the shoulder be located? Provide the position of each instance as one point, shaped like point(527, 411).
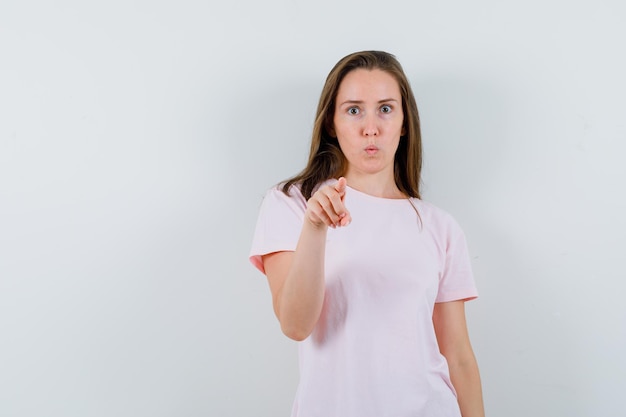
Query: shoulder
point(295, 190)
point(275, 197)
point(437, 219)
point(432, 212)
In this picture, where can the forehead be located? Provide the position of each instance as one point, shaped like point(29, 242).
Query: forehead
point(363, 84)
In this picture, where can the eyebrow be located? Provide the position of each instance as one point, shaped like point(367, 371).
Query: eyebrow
point(387, 100)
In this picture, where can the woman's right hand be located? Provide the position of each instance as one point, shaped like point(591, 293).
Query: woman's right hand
point(326, 207)
point(296, 278)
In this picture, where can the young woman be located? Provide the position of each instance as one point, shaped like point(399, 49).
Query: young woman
point(368, 277)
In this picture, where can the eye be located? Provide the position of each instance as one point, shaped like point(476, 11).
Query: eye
point(385, 109)
point(354, 110)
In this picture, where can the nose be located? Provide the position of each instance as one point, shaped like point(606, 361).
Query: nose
point(370, 126)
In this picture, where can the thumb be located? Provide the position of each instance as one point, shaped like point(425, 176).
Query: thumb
point(340, 185)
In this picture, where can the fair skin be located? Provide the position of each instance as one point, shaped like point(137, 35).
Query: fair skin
point(368, 123)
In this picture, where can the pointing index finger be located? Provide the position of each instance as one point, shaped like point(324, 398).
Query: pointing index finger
point(340, 186)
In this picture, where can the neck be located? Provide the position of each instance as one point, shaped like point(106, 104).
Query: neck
point(377, 186)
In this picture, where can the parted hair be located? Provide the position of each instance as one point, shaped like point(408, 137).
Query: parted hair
point(326, 160)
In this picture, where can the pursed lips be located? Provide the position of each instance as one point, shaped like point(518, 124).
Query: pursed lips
point(371, 149)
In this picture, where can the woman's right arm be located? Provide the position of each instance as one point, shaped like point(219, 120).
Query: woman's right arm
point(296, 278)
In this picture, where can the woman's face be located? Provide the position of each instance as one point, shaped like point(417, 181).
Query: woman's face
point(368, 121)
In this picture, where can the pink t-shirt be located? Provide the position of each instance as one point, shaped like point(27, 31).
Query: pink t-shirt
point(374, 351)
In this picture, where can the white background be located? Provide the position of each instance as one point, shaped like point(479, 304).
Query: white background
point(138, 137)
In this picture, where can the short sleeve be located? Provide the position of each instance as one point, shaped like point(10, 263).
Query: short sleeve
point(457, 280)
point(278, 225)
